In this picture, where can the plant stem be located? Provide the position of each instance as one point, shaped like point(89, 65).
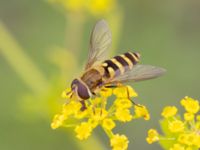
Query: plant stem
point(20, 61)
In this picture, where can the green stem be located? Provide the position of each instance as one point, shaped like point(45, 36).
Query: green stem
point(74, 32)
point(109, 133)
point(116, 22)
point(21, 62)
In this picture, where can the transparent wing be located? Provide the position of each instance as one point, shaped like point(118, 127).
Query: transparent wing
point(139, 73)
point(100, 41)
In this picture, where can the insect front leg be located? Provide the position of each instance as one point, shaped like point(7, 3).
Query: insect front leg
point(83, 105)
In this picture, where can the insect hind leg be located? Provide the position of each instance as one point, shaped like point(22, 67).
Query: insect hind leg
point(128, 96)
point(121, 85)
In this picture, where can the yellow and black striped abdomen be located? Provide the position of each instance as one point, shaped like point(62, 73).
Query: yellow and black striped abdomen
point(120, 64)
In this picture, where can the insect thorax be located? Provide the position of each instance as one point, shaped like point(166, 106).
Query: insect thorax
point(93, 79)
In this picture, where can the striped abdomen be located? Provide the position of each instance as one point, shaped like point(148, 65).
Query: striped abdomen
point(119, 64)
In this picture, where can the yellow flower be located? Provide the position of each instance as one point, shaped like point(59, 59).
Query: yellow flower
point(106, 92)
point(188, 139)
point(81, 114)
point(197, 141)
point(189, 148)
point(141, 111)
point(184, 133)
point(177, 147)
point(123, 115)
point(83, 131)
point(123, 103)
point(153, 136)
point(190, 105)
point(66, 93)
point(131, 91)
point(108, 124)
point(99, 7)
point(71, 108)
point(119, 142)
point(98, 114)
point(176, 126)
point(198, 117)
point(94, 7)
point(58, 121)
point(188, 116)
point(169, 111)
point(124, 92)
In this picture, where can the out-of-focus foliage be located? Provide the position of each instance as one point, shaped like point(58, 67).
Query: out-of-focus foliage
point(43, 46)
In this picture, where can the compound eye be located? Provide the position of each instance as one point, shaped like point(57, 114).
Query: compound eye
point(82, 91)
point(74, 82)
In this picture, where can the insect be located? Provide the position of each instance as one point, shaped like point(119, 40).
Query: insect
point(101, 72)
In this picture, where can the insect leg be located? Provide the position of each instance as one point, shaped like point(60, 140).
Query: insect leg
point(131, 99)
point(111, 86)
point(83, 105)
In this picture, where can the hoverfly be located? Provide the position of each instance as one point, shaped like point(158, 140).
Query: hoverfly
point(100, 72)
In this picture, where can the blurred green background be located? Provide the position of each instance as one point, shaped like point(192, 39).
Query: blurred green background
point(43, 46)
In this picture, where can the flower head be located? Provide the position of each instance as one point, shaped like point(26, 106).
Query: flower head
point(93, 7)
point(83, 130)
point(119, 142)
point(123, 115)
point(141, 111)
point(188, 116)
point(182, 131)
point(97, 113)
point(169, 111)
point(190, 105)
point(176, 126)
point(177, 147)
point(153, 136)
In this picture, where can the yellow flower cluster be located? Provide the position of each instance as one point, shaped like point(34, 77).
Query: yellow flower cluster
point(99, 113)
point(184, 134)
point(93, 7)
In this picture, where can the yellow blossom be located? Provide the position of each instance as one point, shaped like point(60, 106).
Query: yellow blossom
point(119, 142)
point(176, 126)
point(197, 141)
point(66, 93)
point(123, 103)
point(123, 115)
point(184, 133)
point(58, 121)
point(81, 114)
point(190, 139)
point(188, 116)
point(124, 92)
point(71, 108)
point(169, 111)
point(131, 91)
point(98, 7)
point(189, 148)
point(153, 136)
point(98, 114)
point(141, 111)
point(106, 92)
point(198, 117)
point(108, 124)
point(93, 7)
point(177, 147)
point(83, 131)
point(190, 105)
